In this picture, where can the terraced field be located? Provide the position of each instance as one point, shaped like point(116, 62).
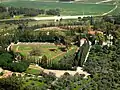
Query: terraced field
point(65, 8)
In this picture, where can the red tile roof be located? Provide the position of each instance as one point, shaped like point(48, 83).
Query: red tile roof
point(94, 32)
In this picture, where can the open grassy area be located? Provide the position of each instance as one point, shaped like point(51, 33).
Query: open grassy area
point(93, 1)
point(56, 55)
point(25, 49)
point(70, 52)
point(85, 1)
point(66, 8)
point(33, 71)
point(117, 11)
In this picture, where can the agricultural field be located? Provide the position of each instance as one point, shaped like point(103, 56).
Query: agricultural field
point(75, 8)
point(85, 1)
point(52, 51)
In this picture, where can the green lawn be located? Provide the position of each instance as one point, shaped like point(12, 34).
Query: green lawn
point(117, 11)
point(44, 49)
point(33, 71)
point(66, 8)
point(85, 1)
point(70, 52)
point(25, 49)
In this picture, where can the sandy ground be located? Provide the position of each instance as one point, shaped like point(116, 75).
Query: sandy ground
point(50, 28)
point(7, 73)
point(58, 73)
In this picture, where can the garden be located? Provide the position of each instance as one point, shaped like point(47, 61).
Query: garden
point(37, 50)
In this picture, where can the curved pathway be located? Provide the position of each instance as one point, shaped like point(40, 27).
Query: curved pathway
point(103, 1)
point(110, 11)
point(59, 73)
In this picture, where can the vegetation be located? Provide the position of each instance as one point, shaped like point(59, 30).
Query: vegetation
point(103, 63)
point(7, 61)
point(12, 12)
point(11, 83)
point(33, 71)
point(65, 8)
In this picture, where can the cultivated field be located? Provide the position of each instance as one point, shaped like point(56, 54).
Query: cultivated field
point(82, 1)
point(65, 8)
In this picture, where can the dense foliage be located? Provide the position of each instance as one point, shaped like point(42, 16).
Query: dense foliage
point(11, 83)
point(8, 12)
point(7, 61)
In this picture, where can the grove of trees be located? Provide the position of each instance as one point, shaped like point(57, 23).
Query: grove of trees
point(9, 12)
point(7, 61)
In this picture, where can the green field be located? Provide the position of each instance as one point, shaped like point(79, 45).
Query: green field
point(33, 71)
point(94, 1)
point(65, 8)
point(117, 11)
point(56, 55)
point(85, 1)
point(44, 49)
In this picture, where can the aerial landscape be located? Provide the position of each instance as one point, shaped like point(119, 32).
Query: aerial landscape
point(59, 44)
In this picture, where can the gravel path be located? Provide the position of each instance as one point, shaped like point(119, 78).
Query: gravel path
point(58, 73)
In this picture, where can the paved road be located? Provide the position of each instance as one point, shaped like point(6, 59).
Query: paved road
point(51, 18)
point(104, 1)
point(61, 17)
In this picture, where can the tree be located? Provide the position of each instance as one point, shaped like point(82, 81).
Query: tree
point(11, 83)
point(44, 61)
point(53, 12)
point(18, 66)
point(5, 59)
